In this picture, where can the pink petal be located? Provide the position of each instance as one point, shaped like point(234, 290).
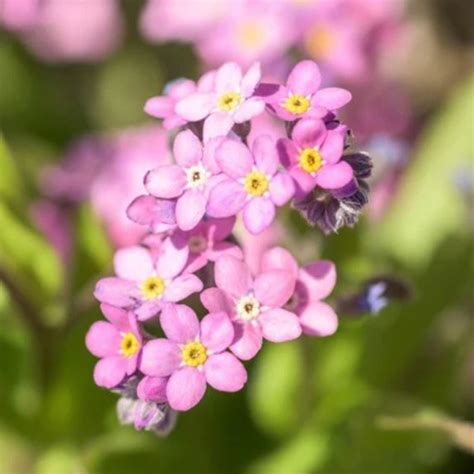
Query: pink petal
point(159, 107)
point(304, 78)
point(172, 257)
point(196, 106)
point(333, 146)
point(190, 209)
point(250, 80)
point(117, 316)
point(247, 341)
point(217, 332)
point(232, 276)
point(109, 372)
point(143, 210)
point(187, 149)
point(214, 300)
point(287, 152)
point(258, 214)
point(318, 319)
point(116, 292)
point(266, 156)
point(209, 157)
point(279, 325)
point(278, 258)
point(282, 188)
point(133, 263)
point(221, 228)
point(152, 389)
point(248, 110)
point(148, 309)
point(225, 372)
point(181, 287)
point(225, 248)
point(185, 389)
point(103, 339)
point(334, 176)
point(234, 158)
point(226, 199)
point(167, 181)
point(179, 323)
point(309, 133)
point(332, 98)
point(274, 287)
point(318, 278)
point(218, 124)
point(303, 180)
point(228, 78)
point(160, 358)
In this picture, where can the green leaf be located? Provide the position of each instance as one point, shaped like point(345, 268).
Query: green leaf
point(10, 180)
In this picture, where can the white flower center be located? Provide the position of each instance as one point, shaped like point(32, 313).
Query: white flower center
point(248, 308)
point(196, 175)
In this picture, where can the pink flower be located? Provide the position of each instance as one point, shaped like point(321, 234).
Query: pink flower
point(145, 282)
point(118, 344)
point(158, 214)
point(313, 155)
point(190, 180)
point(314, 282)
point(207, 242)
point(231, 100)
point(253, 183)
point(193, 355)
point(255, 305)
point(301, 96)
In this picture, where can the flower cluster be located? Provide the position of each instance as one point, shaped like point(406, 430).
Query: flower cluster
point(224, 170)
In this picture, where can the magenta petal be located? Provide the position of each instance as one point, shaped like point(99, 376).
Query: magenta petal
point(304, 78)
point(278, 258)
point(274, 287)
point(133, 263)
point(232, 276)
point(318, 319)
point(196, 106)
point(279, 325)
point(332, 98)
point(185, 388)
point(247, 341)
point(234, 158)
point(119, 317)
point(303, 180)
point(226, 199)
point(287, 152)
point(116, 291)
point(109, 372)
point(218, 124)
point(282, 188)
point(334, 176)
point(181, 287)
point(225, 372)
point(266, 156)
point(160, 358)
point(248, 110)
point(187, 149)
point(179, 323)
point(166, 181)
point(258, 214)
point(333, 146)
point(309, 133)
point(159, 107)
point(214, 300)
point(318, 278)
point(221, 228)
point(217, 331)
point(152, 389)
point(172, 257)
point(103, 339)
point(190, 209)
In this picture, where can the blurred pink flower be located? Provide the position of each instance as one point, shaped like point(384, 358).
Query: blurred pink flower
point(17, 15)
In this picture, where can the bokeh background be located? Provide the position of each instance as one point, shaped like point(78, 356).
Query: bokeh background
point(387, 394)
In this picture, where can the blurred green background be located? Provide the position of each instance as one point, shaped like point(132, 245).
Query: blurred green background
point(376, 398)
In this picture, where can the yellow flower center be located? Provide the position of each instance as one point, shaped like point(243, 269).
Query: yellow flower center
point(256, 183)
point(250, 34)
point(296, 104)
point(310, 160)
point(228, 101)
point(153, 287)
point(129, 345)
point(194, 354)
point(320, 42)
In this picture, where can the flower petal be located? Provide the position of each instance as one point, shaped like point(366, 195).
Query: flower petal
point(334, 176)
point(159, 107)
point(116, 291)
point(225, 372)
point(172, 257)
point(103, 339)
point(318, 319)
point(181, 287)
point(148, 309)
point(318, 278)
point(287, 152)
point(109, 372)
point(160, 357)
point(117, 316)
point(251, 80)
point(179, 323)
point(196, 106)
point(247, 341)
point(232, 276)
point(152, 389)
point(133, 263)
point(226, 199)
point(217, 331)
point(185, 388)
point(167, 181)
point(218, 124)
point(266, 155)
point(282, 188)
point(278, 258)
point(248, 110)
point(190, 209)
point(309, 133)
point(214, 300)
point(187, 149)
point(279, 325)
point(333, 146)
point(274, 287)
point(234, 158)
point(258, 214)
point(304, 78)
point(332, 98)
point(228, 78)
